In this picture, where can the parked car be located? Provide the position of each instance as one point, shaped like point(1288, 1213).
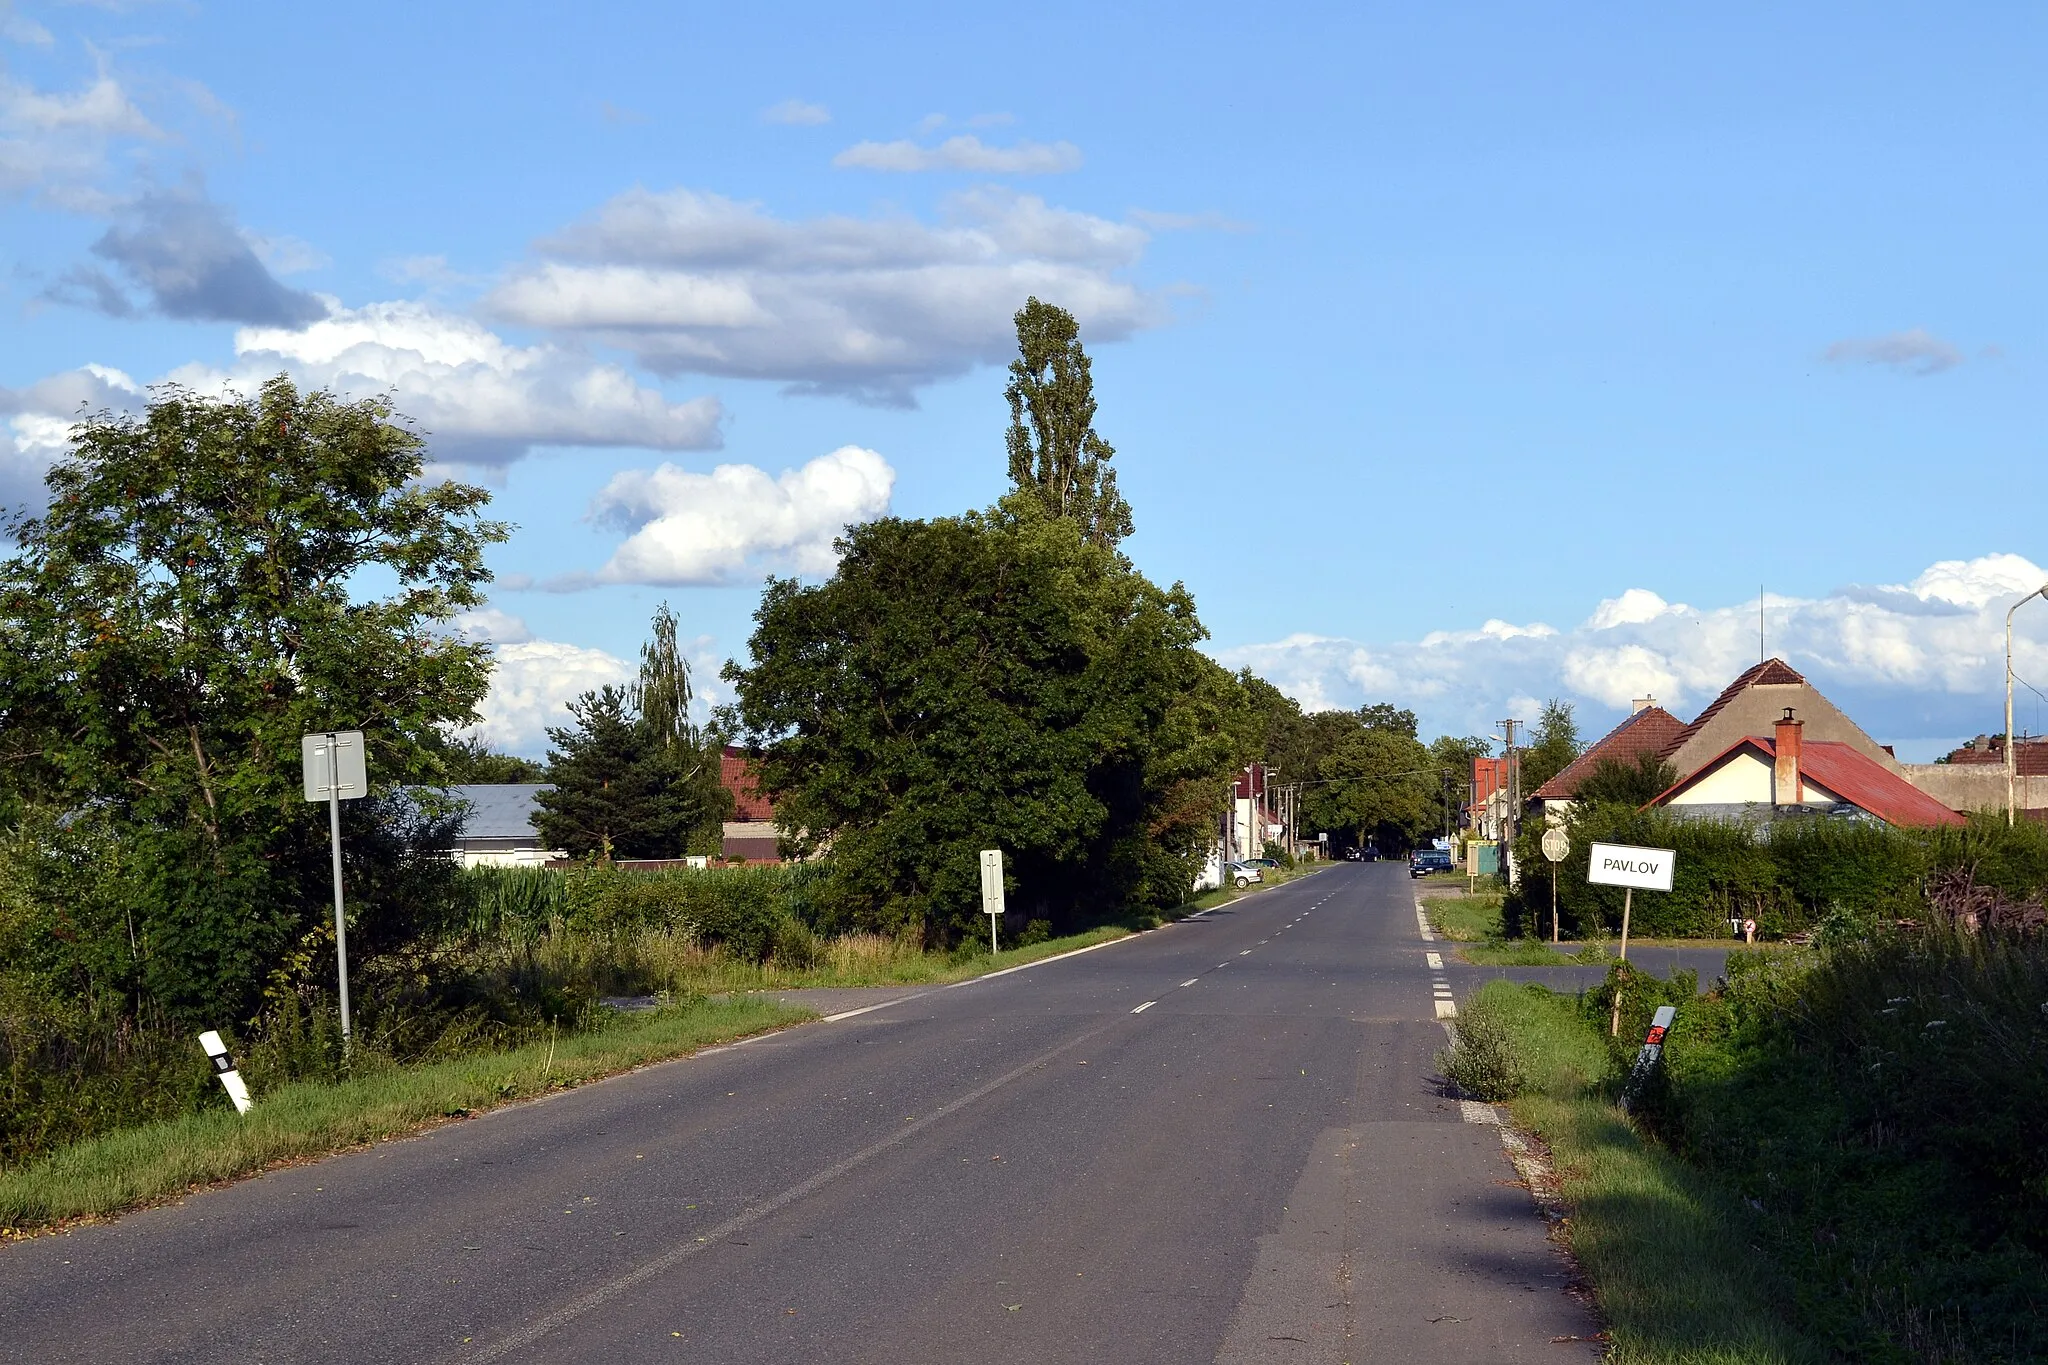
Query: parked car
point(1427, 860)
point(1262, 862)
point(1244, 874)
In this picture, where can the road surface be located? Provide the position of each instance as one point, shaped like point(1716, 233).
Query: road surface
point(1221, 1141)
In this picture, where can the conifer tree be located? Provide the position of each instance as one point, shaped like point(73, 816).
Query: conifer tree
point(1055, 454)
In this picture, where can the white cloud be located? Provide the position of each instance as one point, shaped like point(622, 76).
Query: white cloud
point(489, 623)
point(690, 528)
point(796, 114)
point(964, 152)
point(1916, 351)
point(483, 400)
point(871, 307)
point(56, 144)
point(1632, 608)
point(1912, 660)
point(38, 421)
point(531, 688)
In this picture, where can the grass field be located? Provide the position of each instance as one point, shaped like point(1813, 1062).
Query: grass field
point(1667, 1249)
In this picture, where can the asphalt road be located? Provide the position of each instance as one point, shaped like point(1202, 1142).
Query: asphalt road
point(1219, 1141)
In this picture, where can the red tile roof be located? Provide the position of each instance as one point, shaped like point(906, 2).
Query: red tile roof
point(1857, 779)
point(2030, 758)
point(1769, 671)
point(737, 775)
point(1648, 731)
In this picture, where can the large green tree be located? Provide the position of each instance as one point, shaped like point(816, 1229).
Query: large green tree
point(997, 680)
point(212, 579)
point(634, 776)
point(1056, 457)
point(1552, 747)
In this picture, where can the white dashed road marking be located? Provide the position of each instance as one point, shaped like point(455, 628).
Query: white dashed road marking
point(1191, 981)
point(1435, 961)
point(1146, 1006)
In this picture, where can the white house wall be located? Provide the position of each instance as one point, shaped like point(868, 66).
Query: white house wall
point(1745, 780)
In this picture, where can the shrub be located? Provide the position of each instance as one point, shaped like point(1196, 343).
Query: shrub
point(1484, 1059)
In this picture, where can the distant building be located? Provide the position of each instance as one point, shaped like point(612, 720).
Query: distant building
point(1649, 729)
point(498, 829)
point(751, 833)
point(1487, 812)
point(1973, 777)
point(1760, 779)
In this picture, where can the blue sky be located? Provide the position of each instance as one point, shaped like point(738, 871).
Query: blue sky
point(1462, 359)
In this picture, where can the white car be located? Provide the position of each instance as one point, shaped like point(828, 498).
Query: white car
point(1244, 874)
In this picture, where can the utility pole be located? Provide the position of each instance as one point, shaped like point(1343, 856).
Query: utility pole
point(2011, 751)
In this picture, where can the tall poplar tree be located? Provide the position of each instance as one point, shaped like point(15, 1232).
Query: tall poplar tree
point(1055, 454)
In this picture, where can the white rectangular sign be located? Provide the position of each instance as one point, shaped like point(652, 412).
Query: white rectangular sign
point(349, 774)
point(1646, 869)
point(991, 881)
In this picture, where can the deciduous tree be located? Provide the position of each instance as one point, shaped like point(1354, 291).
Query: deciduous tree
point(1056, 458)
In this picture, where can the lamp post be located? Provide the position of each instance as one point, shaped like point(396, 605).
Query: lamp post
point(2011, 758)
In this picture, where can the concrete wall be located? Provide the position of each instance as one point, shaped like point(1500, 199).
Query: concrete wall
point(1968, 787)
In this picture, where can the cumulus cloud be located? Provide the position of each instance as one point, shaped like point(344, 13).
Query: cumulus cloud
point(482, 401)
point(1916, 352)
point(1911, 660)
point(796, 114)
point(962, 153)
point(56, 143)
point(869, 307)
point(36, 421)
point(531, 688)
point(738, 521)
point(191, 262)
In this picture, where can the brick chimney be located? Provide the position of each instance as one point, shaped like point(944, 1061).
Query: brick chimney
point(1785, 774)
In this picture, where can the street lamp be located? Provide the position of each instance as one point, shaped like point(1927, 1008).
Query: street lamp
point(2011, 761)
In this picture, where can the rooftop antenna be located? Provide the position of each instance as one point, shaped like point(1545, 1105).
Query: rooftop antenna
point(1763, 652)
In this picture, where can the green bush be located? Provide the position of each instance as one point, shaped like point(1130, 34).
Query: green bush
point(1879, 1102)
point(1485, 1058)
point(1789, 877)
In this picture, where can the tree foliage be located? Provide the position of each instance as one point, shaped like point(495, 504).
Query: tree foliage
point(1056, 457)
point(634, 777)
point(1619, 782)
point(997, 680)
point(1553, 747)
point(194, 600)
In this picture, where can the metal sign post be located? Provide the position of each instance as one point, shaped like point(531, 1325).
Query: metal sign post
point(1557, 846)
point(335, 771)
point(992, 892)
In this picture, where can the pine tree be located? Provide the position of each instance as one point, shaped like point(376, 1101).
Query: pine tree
point(1055, 454)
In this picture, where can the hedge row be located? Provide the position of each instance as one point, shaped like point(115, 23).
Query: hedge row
point(1789, 877)
point(741, 908)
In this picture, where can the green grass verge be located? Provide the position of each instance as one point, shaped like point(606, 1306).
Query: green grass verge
point(1668, 1250)
point(1464, 919)
point(138, 1166)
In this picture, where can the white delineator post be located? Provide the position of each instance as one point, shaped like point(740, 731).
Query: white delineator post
point(224, 1067)
point(992, 892)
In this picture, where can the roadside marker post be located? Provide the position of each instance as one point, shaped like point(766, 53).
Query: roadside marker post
point(1630, 868)
point(992, 892)
point(224, 1067)
point(1651, 1053)
point(335, 771)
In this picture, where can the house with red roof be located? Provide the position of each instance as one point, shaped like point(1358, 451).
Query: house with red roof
point(1649, 729)
point(750, 834)
point(1785, 774)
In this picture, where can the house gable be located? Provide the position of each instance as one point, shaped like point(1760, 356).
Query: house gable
point(1752, 703)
